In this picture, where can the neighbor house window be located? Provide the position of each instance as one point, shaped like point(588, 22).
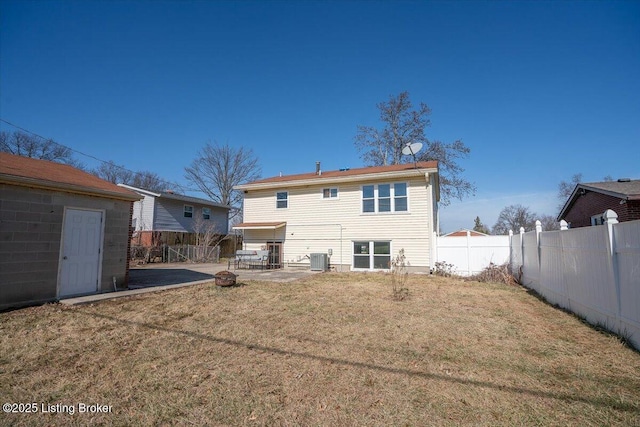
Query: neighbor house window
point(597, 220)
point(188, 211)
point(384, 198)
point(372, 255)
point(329, 193)
point(206, 213)
point(282, 199)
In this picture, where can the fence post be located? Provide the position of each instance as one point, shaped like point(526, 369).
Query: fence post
point(468, 252)
point(564, 225)
point(511, 251)
point(522, 248)
point(611, 218)
point(538, 231)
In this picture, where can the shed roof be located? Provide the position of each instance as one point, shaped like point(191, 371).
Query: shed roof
point(28, 172)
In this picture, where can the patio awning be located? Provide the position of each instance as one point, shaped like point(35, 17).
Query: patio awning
point(259, 225)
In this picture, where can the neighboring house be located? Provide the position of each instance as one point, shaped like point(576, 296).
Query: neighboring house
point(63, 232)
point(360, 218)
point(166, 217)
point(463, 233)
point(588, 202)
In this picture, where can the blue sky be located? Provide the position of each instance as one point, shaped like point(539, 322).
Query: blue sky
point(538, 90)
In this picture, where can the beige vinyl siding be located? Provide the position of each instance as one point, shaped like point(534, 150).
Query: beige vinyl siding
point(315, 224)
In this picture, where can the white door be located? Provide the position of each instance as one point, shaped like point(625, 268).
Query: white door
point(80, 257)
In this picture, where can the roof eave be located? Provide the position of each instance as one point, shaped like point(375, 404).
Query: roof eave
point(188, 199)
point(578, 187)
point(338, 179)
point(178, 197)
point(71, 188)
point(139, 190)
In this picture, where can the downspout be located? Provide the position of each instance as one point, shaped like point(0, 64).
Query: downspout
point(435, 219)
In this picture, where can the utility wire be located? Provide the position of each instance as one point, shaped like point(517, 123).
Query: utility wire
point(109, 162)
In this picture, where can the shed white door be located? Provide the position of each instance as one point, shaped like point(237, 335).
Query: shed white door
point(80, 258)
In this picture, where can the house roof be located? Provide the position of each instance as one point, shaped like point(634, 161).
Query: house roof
point(344, 175)
point(35, 173)
point(173, 196)
point(463, 232)
point(622, 189)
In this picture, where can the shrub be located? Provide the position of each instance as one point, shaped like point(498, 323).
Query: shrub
point(399, 276)
point(494, 274)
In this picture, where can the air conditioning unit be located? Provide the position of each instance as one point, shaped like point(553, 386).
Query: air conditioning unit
point(319, 262)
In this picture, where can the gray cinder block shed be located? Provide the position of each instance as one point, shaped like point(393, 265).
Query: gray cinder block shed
point(63, 232)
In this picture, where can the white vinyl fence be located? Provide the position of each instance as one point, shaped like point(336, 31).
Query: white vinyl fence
point(470, 255)
point(593, 272)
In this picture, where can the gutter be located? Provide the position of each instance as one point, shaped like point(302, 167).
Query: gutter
point(70, 188)
point(336, 180)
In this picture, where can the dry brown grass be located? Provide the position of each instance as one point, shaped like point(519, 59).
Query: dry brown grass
point(334, 349)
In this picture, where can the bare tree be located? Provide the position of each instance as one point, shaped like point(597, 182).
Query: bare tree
point(207, 239)
point(113, 173)
point(35, 147)
point(512, 218)
point(565, 188)
point(549, 223)
point(109, 171)
point(404, 125)
point(219, 168)
point(149, 181)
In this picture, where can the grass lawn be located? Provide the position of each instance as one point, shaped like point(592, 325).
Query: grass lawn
point(333, 349)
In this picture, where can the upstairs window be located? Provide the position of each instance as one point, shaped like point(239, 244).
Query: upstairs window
point(400, 197)
point(188, 211)
point(368, 198)
point(329, 193)
point(206, 213)
point(282, 199)
point(384, 198)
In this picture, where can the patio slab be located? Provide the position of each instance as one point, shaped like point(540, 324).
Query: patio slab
point(159, 277)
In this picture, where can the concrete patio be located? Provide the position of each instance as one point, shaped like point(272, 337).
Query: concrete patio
point(159, 277)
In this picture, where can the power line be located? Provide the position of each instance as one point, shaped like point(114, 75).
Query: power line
point(108, 162)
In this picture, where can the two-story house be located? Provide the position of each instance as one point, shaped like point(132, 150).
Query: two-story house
point(360, 217)
point(170, 218)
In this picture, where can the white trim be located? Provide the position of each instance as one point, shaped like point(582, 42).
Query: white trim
point(337, 197)
point(260, 227)
point(371, 254)
point(280, 200)
point(376, 198)
point(325, 182)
